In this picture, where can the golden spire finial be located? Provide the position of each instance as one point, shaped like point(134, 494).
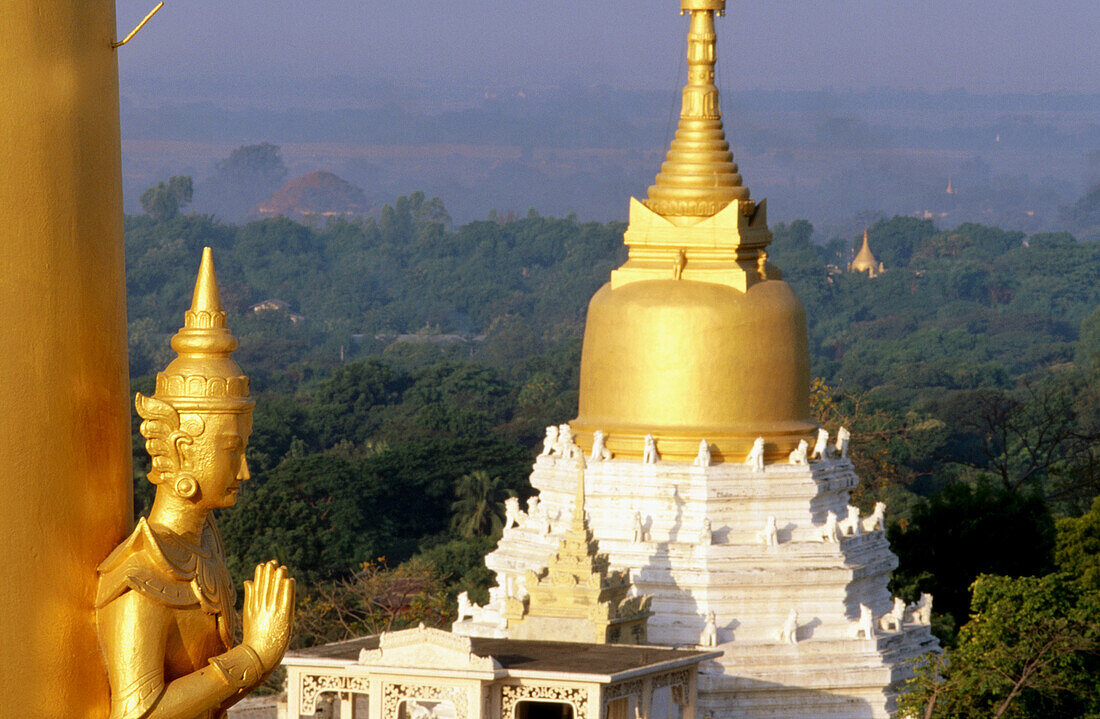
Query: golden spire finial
point(699, 176)
point(204, 376)
point(206, 302)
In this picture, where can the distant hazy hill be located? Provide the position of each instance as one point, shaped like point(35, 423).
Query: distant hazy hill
point(315, 193)
point(844, 159)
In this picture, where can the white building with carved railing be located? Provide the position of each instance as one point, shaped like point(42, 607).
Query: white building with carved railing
point(427, 673)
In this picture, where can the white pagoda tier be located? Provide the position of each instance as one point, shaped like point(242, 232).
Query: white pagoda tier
point(750, 577)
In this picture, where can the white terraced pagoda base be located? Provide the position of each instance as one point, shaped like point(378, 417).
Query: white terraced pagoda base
point(751, 588)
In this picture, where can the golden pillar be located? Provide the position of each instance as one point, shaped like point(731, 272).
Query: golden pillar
point(64, 409)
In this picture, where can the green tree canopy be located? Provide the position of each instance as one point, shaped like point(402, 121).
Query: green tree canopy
point(963, 532)
point(1078, 549)
point(1088, 347)
point(479, 504)
point(164, 201)
point(317, 514)
point(349, 405)
point(1029, 650)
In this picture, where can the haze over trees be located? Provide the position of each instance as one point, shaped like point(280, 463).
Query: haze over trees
point(241, 181)
point(165, 200)
point(842, 158)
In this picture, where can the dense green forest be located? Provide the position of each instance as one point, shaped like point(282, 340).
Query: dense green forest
point(405, 376)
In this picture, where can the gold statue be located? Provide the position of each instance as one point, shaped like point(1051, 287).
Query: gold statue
point(165, 601)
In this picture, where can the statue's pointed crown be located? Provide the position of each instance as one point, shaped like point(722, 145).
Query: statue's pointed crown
point(204, 377)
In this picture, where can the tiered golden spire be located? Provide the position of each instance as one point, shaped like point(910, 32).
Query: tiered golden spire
point(699, 176)
point(578, 559)
point(587, 600)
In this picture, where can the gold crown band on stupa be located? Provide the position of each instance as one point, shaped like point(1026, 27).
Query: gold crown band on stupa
point(204, 377)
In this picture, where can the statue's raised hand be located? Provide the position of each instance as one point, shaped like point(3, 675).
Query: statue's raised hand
point(269, 612)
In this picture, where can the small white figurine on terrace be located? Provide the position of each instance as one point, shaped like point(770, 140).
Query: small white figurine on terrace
point(842, 438)
point(829, 531)
point(821, 446)
point(864, 626)
point(703, 458)
point(599, 451)
point(567, 446)
point(550, 442)
point(798, 454)
point(850, 525)
point(536, 516)
point(921, 610)
point(639, 529)
point(706, 535)
point(891, 621)
point(769, 536)
point(513, 517)
point(709, 637)
point(755, 459)
point(789, 632)
point(465, 607)
point(650, 455)
point(877, 520)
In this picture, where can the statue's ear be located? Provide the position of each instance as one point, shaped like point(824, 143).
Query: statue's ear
point(180, 442)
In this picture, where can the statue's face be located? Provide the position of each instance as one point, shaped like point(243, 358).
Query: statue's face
point(217, 460)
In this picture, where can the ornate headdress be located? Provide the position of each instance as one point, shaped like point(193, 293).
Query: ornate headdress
point(204, 378)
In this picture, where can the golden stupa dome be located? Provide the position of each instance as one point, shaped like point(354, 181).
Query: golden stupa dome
point(696, 336)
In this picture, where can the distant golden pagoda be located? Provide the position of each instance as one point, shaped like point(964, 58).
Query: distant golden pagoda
point(696, 336)
point(865, 261)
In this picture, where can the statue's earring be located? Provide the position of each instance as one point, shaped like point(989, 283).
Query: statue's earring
point(186, 486)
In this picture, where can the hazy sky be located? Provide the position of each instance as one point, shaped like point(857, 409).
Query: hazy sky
point(982, 45)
